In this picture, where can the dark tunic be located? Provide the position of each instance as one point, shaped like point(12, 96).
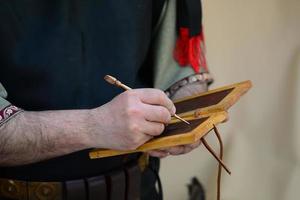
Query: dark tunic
point(54, 54)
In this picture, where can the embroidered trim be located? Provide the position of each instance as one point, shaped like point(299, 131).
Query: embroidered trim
point(8, 112)
point(201, 78)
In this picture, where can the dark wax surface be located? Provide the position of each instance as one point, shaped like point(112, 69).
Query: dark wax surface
point(202, 101)
point(181, 127)
point(54, 55)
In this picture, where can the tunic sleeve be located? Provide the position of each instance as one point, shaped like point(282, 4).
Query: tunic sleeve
point(7, 110)
point(166, 70)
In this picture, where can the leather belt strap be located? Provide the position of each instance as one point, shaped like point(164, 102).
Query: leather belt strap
point(123, 184)
point(97, 188)
point(13, 189)
point(21, 190)
point(133, 182)
point(45, 190)
point(116, 185)
point(75, 190)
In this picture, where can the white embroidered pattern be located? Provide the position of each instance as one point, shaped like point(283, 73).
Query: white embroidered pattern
point(8, 112)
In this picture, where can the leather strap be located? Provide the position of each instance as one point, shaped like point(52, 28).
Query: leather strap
point(13, 189)
point(75, 190)
point(97, 188)
point(116, 185)
point(220, 166)
point(133, 182)
point(109, 187)
point(218, 158)
point(45, 190)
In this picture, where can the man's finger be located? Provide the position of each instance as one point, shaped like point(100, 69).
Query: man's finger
point(159, 154)
point(152, 128)
point(182, 149)
point(156, 113)
point(195, 145)
point(177, 150)
point(156, 97)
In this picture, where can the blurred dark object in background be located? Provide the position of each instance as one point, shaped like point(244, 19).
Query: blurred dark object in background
point(196, 191)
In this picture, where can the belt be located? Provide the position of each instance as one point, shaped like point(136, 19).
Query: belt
point(122, 184)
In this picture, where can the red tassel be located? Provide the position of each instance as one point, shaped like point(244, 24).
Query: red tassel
point(182, 47)
point(190, 51)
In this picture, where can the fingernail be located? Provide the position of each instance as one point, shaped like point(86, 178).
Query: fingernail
point(173, 110)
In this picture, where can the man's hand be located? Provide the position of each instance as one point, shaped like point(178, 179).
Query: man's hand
point(177, 150)
point(185, 91)
point(130, 119)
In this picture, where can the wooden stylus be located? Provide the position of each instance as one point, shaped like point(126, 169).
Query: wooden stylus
point(112, 80)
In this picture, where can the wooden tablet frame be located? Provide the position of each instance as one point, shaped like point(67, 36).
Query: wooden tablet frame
point(208, 108)
point(216, 100)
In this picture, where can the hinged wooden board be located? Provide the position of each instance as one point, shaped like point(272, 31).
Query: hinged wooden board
point(220, 99)
point(174, 134)
point(203, 111)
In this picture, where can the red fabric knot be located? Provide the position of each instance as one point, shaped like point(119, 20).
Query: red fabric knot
point(190, 50)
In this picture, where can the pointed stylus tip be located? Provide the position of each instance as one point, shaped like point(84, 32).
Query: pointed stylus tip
point(183, 120)
point(187, 122)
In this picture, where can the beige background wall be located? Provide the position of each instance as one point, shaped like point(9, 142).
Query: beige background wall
point(257, 40)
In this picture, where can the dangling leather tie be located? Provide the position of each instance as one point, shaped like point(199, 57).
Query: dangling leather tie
point(218, 158)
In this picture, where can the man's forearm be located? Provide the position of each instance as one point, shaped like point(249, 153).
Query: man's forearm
point(126, 122)
point(35, 136)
